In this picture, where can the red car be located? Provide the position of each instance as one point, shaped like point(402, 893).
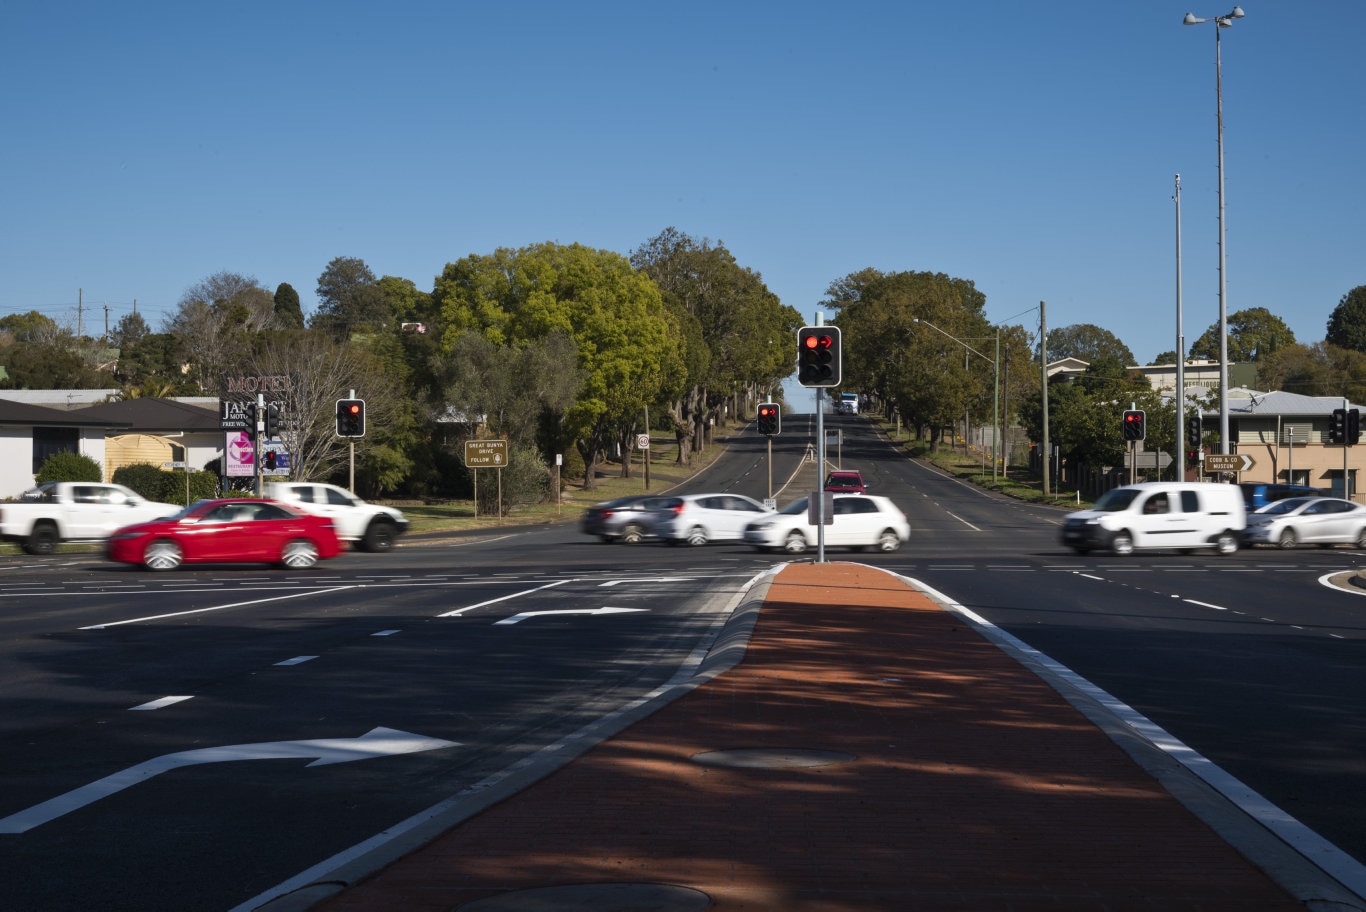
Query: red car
point(846, 481)
point(237, 530)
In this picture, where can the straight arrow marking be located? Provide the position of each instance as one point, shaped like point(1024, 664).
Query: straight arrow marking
point(378, 742)
point(531, 614)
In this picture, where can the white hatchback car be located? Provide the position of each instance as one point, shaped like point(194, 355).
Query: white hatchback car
point(859, 521)
point(701, 518)
point(1308, 520)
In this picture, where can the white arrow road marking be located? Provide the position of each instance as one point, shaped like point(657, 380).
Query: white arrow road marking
point(378, 742)
point(658, 579)
point(531, 614)
point(459, 611)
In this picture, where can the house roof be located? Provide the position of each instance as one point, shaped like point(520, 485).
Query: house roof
point(22, 413)
point(148, 414)
point(1250, 403)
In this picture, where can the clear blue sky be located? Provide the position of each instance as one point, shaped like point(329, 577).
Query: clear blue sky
point(1028, 147)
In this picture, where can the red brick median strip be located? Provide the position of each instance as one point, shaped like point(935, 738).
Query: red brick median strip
point(974, 786)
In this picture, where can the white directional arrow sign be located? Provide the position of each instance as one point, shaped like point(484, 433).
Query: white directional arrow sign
point(378, 742)
point(517, 618)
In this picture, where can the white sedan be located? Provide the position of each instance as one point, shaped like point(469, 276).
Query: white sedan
point(859, 521)
point(1308, 520)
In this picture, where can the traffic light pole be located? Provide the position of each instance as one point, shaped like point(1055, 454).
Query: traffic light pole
point(820, 475)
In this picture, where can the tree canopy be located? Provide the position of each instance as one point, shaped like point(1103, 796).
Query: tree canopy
point(1347, 322)
point(1252, 335)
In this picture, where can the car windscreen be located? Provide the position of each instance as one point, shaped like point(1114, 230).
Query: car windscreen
point(1115, 500)
point(796, 508)
point(1284, 506)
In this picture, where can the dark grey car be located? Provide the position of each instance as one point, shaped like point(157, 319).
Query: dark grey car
point(627, 519)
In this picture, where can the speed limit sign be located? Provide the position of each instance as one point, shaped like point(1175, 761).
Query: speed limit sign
point(642, 441)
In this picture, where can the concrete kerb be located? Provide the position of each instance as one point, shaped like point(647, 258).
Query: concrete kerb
point(722, 650)
point(1308, 867)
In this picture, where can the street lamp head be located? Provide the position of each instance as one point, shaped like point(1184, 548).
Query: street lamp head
point(1237, 13)
point(1191, 20)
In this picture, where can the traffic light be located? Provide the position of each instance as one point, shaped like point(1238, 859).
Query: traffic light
point(350, 417)
point(770, 419)
point(1353, 427)
point(818, 356)
point(272, 420)
point(1337, 426)
point(268, 461)
point(1194, 430)
point(1135, 424)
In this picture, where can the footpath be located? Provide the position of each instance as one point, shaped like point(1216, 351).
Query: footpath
point(882, 754)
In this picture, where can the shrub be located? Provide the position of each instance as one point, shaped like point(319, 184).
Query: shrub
point(148, 480)
point(68, 466)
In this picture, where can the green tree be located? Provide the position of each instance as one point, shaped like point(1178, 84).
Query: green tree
point(733, 334)
point(1321, 369)
point(289, 313)
point(1347, 322)
point(1252, 335)
point(30, 327)
point(68, 466)
point(917, 342)
point(616, 317)
point(350, 299)
point(1087, 342)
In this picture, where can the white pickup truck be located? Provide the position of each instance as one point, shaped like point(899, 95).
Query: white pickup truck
point(61, 511)
point(369, 527)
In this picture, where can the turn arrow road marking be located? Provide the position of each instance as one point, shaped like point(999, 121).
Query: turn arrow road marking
point(531, 614)
point(378, 742)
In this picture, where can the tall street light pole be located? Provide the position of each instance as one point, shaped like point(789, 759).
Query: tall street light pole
point(1220, 23)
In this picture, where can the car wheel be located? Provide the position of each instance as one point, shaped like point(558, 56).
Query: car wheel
point(380, 537)
point(1226, 543)
point(633, 534)
point(1123, 542)
point(697, 536)
point(162, 554)
point(888, 540)
point(1287, 540)
point(795, 543)
point(43, 539)
point(299, 554)
point(1361, 539)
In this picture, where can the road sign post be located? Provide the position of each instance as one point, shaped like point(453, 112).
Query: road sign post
point(486, 454)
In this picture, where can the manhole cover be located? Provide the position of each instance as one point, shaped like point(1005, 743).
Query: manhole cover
point(772, 758)
point(603, 897)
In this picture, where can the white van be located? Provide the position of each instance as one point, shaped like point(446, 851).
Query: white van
point(1160, 514)
point(848, 404)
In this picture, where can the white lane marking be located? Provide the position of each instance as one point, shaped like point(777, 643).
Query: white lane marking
point(657, 579)
point(378, 742)
point(158, 704)
point(297, 660)
point(159, 617)
point(963, 521)
point(1206, 605)
point(385, 633)
point(459, 611)
point(518, 618)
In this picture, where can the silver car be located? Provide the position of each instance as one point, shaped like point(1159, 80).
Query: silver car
point(626, 519)
point(1308, 520)
point(701, 518)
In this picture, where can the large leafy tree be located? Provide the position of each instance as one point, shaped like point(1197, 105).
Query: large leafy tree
point(1321, 369)
point(1347, 322)
point(918, 342)
point(289, 313)
point(350, 299)
point(1252, 335)
point(623, 336)
point(733, 334)
point(1089, 343)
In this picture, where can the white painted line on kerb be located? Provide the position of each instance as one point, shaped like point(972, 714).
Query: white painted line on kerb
point(160, 617)
point(159, 704)
point(459, 611)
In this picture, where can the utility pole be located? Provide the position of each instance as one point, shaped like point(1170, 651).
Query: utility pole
point(1043, 369)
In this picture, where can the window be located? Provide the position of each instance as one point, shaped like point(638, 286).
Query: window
point(47, 442)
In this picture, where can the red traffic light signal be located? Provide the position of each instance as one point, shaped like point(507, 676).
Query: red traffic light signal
point(350, 417)
point(819, 359)
point(770, 419)
point(1135, 424)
